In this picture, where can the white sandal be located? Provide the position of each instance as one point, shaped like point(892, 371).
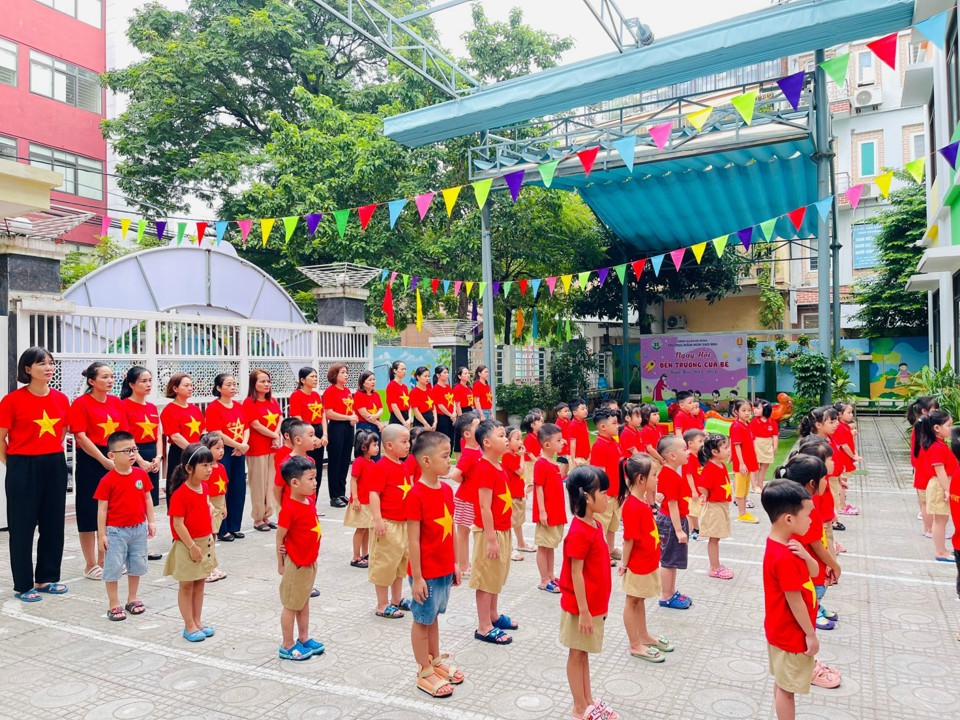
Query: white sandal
point(94, 573)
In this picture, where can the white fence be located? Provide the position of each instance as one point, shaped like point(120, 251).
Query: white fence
point(516, 363)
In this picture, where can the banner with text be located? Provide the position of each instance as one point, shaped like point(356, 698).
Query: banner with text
point(715, 366)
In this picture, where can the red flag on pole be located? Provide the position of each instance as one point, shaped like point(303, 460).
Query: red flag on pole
point(388, 304)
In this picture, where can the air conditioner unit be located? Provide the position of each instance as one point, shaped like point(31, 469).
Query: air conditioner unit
point(676, 322)
point(869, 96)
point(868, 190)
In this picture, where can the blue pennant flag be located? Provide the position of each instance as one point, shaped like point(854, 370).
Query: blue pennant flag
point(626, 147)
point(934, 29)
point(446, 286)
point(823, 207)
point(221, 226)
point(657, 262)
point(395, 207)
point(535, 286)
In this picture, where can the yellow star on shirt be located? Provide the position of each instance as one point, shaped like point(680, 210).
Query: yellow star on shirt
point(348, 406)
point(808, 585)
point(147, 428)
point(193, 426)
point(823, 538)
point(109, 427)
point(316, 410)
point(449, 398)
point(726, 489)
point(446, 522)
point(271, 419)
point(655, 534)
point(221, 486)
point(236, 430)
point(507, 501)
point(489, 397)
point(429, 403)
point(405, 398)
point(47, 424)
point(405, 487)
point(316, 529)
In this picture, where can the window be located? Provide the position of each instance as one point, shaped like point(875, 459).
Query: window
point(88, 11)
point(65, 82)
point(868, 158)
point(931, 131)
point(865, 74)
point(812, 261)
point(8, 148)
point(917, 147)
point(81, 176)
point(8, 63)
point(809, 321)
point(953, 74)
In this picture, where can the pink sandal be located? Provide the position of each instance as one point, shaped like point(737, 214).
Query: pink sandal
point(825, 677)
point(722, 573)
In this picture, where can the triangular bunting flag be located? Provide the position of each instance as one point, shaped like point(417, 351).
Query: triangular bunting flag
point(340, 217)
point(523, 288)
point(797, 216)
point(657, 261)
point(883, 182)
point(535, 330)
point(266, 225)
point(698, 251)
point(406, 280)
point(313, 220)
point(950, 153)
point(125, 226)
point(719, 244)
point(621, 271)
point(395, 207)
point(677, 257)
point(181, 229)
point(514, 180)
point(141, 227)
point(456, 287)
point(450, 196)
point(221, 227)
point(602, 275)
point(569, 330)
point(769, 229)
point(423, 203)
point(698, 118)
point(745, 235)
point(791, 86)
point(387, 305)
point(853, 195)
point(161, 227)
point(661, 134)
point(836, 68)
point(446, 286)
point(916, 168)
point(535, 287)
point(383, 274)
point(104, 226)
point(551, 283)
point(886, 49)
point(934, 28)
point(414, 281)
point(469, 284)
point(587, 158)
point(419, 312)
point(626, 147)
point(547, 171)
point(201, 231)
point(481, 188)
point(496, 288)
point(393, 276)
point(365, 213)
point(434, 284)
point(824, 207)
point(519, 331)
point(507, 287)
point(289, 225)
point(745, 104)
point(245, 226)
point(566, 280)
point(582, 279)
point(637, 266)
point(481, 289)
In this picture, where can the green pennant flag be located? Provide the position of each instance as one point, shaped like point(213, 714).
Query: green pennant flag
point(621, 271)
point(836, 68)
point(569, 330)
point(507, 286)
point(583, 278)
point(481, 188)
point(181, 228)
point(406, 281)
point(290, 223)
point(768, 227)
point(745, 104)
point(482, 286)
point(141, 227)
point(546, 172)
point(719, 244)
point(341, 217)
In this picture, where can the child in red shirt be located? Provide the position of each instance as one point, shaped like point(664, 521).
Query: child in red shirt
point(650, 431)
point(641, 556)
point(432, 569)
point(955, 503)
point(789, 596)
point(125, 522)
point(549, 512)
point(216, 489)
point(822, 422)
point(691, 473)
point(585, 587)
point(302, 439)
point(577, 434)
point(463, 507)
point(744, 456)
point(933, 431)
point(844, 441)
point(298, 546)
point(530, 425)
point(766, 433)
point(713, 487)
point(512, 462)
point(672, 521)
point(688, 415)
point(605, 454)
point(630, 437)
point(921, 472)
point(366, 447)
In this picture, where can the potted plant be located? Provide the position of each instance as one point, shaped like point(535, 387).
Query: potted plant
point(514, 400)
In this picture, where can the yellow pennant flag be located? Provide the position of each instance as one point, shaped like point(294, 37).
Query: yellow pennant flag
point(519, 330)
point(266, 225)
point(698, 251)
point(124, 226)
point(450, 196)
point(419, 311)
point(469, 284)
point(883, 182)
point(915, 168)
point(566, 280)
point(698, 118)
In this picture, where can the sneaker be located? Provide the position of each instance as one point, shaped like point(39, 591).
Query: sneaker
point(927, 534)
point(824, 624)
point(850, 510)
point(721, 573)
point(694, 535)
point(676, 602)
point(315, 648)
point(297, 652)
point(747, 518)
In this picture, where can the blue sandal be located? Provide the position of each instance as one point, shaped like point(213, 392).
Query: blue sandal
point(195, 636)
point(495, 637)
point(404, 604)
point(28, 596)
point(505, 623)
point(52, 588)
point(391, 612)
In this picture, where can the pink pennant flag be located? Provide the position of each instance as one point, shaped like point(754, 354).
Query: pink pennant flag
point(104, 226)
point(514, 180)
point(853, 195)
point(677, 257)
point(245, 226)
point(456, 287)
point(551, 283)
point(423, 203)
point(661, 134)
point(393, 276)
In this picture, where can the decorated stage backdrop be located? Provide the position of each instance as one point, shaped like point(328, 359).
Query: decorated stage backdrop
point(713, 365)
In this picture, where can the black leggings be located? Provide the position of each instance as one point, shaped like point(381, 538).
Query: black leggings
point(445, 426)
point(148, 451)
point(339, 450)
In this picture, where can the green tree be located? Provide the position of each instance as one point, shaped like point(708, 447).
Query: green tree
point(888, 310)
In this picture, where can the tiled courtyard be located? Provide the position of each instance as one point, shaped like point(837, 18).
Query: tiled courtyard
point(896, 643)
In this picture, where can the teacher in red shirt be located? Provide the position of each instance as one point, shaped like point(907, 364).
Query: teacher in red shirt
point(341, 420)
point(262, 414)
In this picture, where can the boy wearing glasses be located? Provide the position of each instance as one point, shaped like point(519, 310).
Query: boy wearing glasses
point(124, 523)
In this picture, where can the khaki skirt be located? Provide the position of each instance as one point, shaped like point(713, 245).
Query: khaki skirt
point(571, 637)
point(936, 502)
point(642, 586)
point(361, 519)
point(219, 503)
point(764, 448)
point(183, 569)
point(715, 520)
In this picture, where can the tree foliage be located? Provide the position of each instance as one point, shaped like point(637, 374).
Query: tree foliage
point(888, 309)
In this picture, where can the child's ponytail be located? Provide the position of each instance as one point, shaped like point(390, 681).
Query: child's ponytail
point(921, 406)
point(582, 481)
point(711, 445)
point(803, 469)
point(925, 435)
point(632, 471)
point(818, 415)
point(645, 412)
point(193, 454)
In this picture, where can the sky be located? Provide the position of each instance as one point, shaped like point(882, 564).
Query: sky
point(573, 18)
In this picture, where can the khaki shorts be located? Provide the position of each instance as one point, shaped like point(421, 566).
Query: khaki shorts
point(695, 508)
point(296, 584)
point(362, 518)
point(487, 574)
point(519, 512)
point(183, 569)
point(936, 502)
point(834, 483)
point(715, 520)
point(388, 554)
point(610, 519)
point(764, 448)
point(219, 503)
point(791, 671)
point(571, 637)
point(741, 484)
point(548, 536)
point(642, 586)
point(828, 531)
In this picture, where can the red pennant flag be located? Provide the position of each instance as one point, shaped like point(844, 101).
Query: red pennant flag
point(365, 213)
point(523, 287)
point(434, 284)
point(587, 158)
point(638, 267)
point(388, 304)
point(796, 217)
point(886, 49)
point(201, 229)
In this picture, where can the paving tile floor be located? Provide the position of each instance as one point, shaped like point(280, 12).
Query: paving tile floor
point(896, 644)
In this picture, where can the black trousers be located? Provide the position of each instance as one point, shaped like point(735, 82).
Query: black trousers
point(445, 426)
point(428, 416)
point(236, 469)
point(393, 418)
point(339, 450)
point(174, 455)
point(148, 451)
point(36, 499)
point(88, 473)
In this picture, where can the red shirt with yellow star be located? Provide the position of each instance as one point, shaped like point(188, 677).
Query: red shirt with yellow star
point(393, 483)
point(228, 421)
point(217, 484)
point(302, 541)
point(587, 542)
point(605, 454)
point(784, 572)
point(35, 424)
point(482, 392)
point(432, 508)
point(143, 421)
point(99, 420)
point(513, 465)
point(398, 394)
point(715, 479)
point(673, 488)
point(187, 421)
point(639, 526)
point(443, 397)
point(368, 401)
point(463, 396)
point(306, 406)
point(339, 400)
point(487, 476)
point(267, 412)
point(422, 400)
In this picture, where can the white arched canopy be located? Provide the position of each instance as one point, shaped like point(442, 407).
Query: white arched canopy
point(187, 279)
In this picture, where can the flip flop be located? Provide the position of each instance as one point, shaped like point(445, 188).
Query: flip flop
point(28, 596)
point(662, 645)
point(494, 637)
point(52, 588)
point(94, 573)
point(945, 559)
point(650, 654)
point(391, 612)
point(550, 587)
point(404, 604)
point(505, 623)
